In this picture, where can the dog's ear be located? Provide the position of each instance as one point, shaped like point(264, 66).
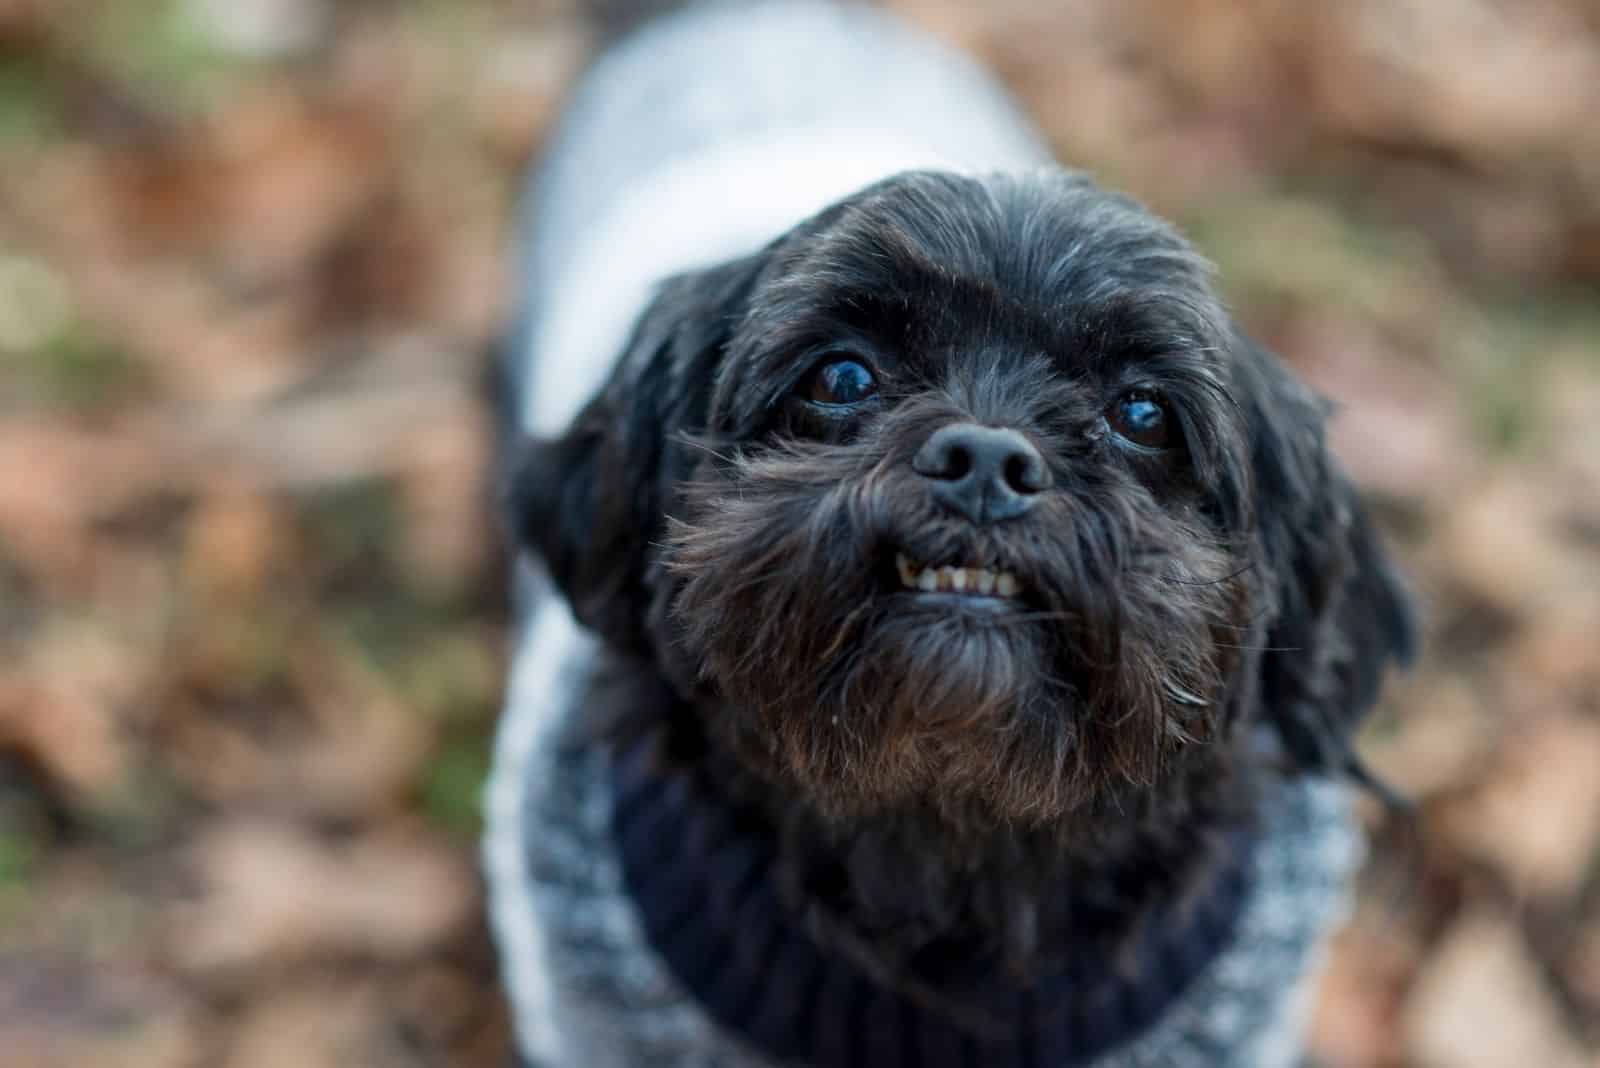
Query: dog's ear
point(1342, 615)
point(591, 502)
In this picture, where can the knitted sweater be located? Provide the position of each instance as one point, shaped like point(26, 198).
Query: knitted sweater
point(697, 140)
point(588, 973)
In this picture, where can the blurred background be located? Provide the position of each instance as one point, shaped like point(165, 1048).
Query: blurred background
point(252, 621)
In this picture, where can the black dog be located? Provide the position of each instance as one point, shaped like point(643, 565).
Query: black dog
point(976, 601)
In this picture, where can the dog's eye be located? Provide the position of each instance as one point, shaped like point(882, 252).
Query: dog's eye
point(840, 382)
point(1141, 417)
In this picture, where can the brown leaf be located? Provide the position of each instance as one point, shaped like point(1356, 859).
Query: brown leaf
point(64, 710)
point(443, 471)
point(1481, 1003)
point(366, 747)
point(520, 83)
point(1398, 425)
point(1537, 816)
point(1359, 994)
point(1506, 542)
point(1478, 77)
point(325, 1025)
point(55, 480)
point(1441, 739)
point(273, 893)
point(294, 173)
point(234, 540)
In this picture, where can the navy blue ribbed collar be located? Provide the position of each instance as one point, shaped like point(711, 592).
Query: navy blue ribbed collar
point(703, 882)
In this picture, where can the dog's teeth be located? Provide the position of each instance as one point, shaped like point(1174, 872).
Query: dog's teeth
point(979, 580)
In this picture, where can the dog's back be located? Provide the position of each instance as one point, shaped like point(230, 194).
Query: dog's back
point(703, 134)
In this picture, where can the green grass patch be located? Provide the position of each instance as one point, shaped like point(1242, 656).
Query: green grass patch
point(1508, 347)
point(139, 814)
point(402, 626)
point(19, 855)
point(452, 783)
point(352, 527)
point(54, 359)
point(30, 103)
point(158, 50)
point(1275, 248)
point(76, 371)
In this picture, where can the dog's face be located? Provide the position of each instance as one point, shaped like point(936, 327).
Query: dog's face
point(967, 495)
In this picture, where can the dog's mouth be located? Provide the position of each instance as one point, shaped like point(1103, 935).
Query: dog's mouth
point(966, 581)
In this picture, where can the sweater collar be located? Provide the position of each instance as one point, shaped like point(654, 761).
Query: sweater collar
point(703, 883)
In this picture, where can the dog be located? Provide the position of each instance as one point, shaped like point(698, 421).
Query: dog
point(942, 627)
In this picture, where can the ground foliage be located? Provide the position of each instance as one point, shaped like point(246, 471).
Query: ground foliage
point(252, 617)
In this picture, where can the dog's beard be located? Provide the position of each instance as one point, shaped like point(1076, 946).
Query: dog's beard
point(1074, 697)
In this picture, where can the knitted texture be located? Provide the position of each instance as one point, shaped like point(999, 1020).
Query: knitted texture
point(613, 1002)
point(704, 879)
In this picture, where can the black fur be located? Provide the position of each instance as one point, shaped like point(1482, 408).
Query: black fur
point(940, 769)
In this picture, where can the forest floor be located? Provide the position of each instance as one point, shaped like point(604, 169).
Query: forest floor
point(253, 256)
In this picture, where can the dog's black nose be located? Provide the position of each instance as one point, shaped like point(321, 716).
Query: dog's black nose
point(986, 473)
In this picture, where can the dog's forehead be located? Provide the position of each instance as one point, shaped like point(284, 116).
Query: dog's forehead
point(931, 266)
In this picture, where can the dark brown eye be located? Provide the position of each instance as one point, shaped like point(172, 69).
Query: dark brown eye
point(840, 383)
point(1141, 416)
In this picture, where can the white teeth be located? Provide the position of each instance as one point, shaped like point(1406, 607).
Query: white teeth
point(979, 580)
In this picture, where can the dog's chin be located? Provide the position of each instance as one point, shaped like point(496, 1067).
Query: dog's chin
point(881, 698)
point(943, 699)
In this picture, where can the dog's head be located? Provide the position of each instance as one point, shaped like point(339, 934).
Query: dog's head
point(967, 493)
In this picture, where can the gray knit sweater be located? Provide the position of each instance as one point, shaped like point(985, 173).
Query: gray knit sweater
point(697, 140)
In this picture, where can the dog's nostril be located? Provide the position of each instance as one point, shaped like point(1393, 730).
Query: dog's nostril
point(1025, 473)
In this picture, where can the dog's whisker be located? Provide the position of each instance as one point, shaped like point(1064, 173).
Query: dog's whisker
point(700, 445)
point(1260, 648)
point(1231, 576)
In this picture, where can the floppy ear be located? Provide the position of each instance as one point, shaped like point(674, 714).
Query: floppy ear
point(1342, 614)
point(591, 502)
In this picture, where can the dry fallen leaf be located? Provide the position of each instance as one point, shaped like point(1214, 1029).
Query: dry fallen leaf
point(1537, 814)
point(65, 707)
point(1359, 994)
point(325, 1025)
point(234, 541)
point(1476, 77)
point(273, 893)
point(1504, 541)
point(1398, 425)
point(1481, 1003)
point(56, 480)
point(1441, 737)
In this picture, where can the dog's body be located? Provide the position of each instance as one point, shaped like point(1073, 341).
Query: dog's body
point(967, 608)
